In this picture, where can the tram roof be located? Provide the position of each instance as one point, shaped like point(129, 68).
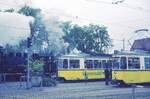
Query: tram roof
point(136, 53)
point(101, 55)
point(83, 55)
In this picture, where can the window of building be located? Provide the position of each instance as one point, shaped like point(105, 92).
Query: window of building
point(65, 63)
point(74, 63)
point(89, 64)
point(134, 63)
point(147, 63)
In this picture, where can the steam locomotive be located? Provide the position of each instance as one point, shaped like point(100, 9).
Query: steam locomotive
point(13, 65)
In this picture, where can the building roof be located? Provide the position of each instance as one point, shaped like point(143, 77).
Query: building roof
point(141, 44)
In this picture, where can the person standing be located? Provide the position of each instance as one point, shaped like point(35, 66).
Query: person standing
point(106, 76)
point(108, 71)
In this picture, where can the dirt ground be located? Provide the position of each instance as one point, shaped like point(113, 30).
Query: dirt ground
point(81, 90)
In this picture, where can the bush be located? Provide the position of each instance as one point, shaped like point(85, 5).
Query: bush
point(47, 82)
point(36, 65)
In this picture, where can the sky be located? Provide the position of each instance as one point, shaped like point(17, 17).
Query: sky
point(121, 19)
point(13, 28)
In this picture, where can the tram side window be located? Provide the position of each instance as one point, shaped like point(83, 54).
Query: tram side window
point(65, 63)
point(116, 63)
point(123, 63)
point(104, 64)
point(109, 63)
point(74, 63)
point(147, 63)
point(97, 64)
point(134, 63)
point(89, 64)
point(1, 58)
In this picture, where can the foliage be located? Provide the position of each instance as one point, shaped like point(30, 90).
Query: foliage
point(92, 39)
point(9, 10)
point(38, 30)
point(11, 48)
point(22, 45)
point(28, 11)
point(36, 65)
point(56, 44)
point(42, 32)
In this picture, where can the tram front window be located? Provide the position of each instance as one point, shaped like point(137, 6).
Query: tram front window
point(74, 63)
point(123, 64)
point(134, 63)
point(147, 63)
point(65, 63)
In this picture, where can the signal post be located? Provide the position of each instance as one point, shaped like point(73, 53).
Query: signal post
point(29, 44)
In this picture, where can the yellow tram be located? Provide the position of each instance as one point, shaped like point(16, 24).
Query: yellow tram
point(82, 66)
point(131, 67)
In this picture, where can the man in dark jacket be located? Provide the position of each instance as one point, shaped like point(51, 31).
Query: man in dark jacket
point(107, 74)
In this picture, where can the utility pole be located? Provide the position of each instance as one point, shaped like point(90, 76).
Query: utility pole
point(28, 71)
point(29, 44)
point(123, 44)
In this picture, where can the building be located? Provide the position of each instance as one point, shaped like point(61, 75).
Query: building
point(141, 44)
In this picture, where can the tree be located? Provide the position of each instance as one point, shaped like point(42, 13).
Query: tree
point(92, 39)
point(9, 10)
point(100, 37)
point(38, 30)
point(22, 45)
point(46, 34)
point(66, 28)
point(36, 65)
point(28, 11)
point(9, 48)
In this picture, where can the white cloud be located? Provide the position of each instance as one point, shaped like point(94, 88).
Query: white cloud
point(13, 28)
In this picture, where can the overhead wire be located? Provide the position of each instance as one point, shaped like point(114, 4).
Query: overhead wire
point(77, 17)
point(87, 19)
point(92, 20)
point(121, 4)
point(9, 4)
